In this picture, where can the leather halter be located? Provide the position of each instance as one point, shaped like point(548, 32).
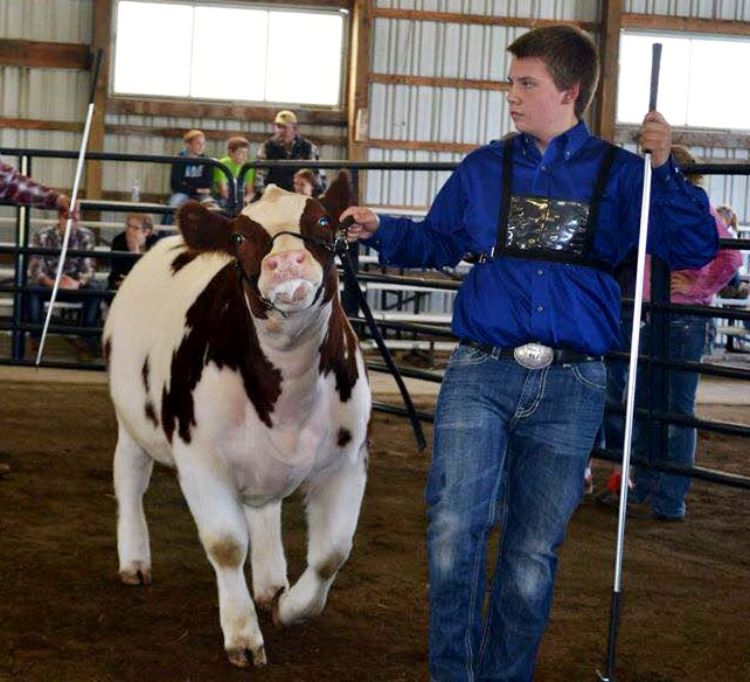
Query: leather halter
point(332, 247)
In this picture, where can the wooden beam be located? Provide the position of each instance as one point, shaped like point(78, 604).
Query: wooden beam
point(656, 22)
point(150, 131)
point(331, 4)
point(38, 124)
point(28, 53)
point(433, 82)
point(101, 41)
point(358, 97)
point(481, 19)
point(411, 145)
point(183, 109)
point(690, 137)
point(609, 50)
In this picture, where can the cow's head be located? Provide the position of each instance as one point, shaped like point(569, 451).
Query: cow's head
point(283, 245)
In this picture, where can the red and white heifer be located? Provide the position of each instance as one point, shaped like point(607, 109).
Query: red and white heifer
point(231, 360)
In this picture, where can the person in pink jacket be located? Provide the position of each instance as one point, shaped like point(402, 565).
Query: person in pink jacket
point(657, 494)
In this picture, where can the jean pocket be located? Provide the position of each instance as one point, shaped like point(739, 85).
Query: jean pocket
point(593, 375)
point(467, 355)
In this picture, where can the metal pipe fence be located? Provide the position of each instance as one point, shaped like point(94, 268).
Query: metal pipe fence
point(654, 415)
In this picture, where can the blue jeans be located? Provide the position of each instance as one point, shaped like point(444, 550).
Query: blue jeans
point(511, 446)
point(666, 493)
point(90, 305)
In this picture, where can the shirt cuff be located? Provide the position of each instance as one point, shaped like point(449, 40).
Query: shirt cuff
point(668, 174)
point(384, 239)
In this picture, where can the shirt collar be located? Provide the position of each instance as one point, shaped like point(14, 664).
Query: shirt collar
point(562, 147)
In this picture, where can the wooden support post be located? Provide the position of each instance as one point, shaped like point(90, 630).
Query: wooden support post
point(609, 38)
point(359, 69)
point(101, 40)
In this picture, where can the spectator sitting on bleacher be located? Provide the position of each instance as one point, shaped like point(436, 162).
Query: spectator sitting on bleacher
point(190, 180)
point(238, 150)
point(287, 144)
point(78, 275)
point(137, 237)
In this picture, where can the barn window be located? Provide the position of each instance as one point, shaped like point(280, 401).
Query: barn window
point(202, 51)
point(701, 83)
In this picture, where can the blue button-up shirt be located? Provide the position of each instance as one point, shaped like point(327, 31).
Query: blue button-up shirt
point(508, 301)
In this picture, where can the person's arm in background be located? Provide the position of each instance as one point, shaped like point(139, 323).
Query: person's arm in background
point(177, 178)
point(701, 284)
point(220, 185)
point(204, 182)
point(249, 185)
point(36, 264)
point(88, 267)
point(19, 189)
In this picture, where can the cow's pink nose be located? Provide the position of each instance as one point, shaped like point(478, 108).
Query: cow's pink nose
point(284, 259)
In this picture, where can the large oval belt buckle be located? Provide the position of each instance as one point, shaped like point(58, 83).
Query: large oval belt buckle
point(533, 355)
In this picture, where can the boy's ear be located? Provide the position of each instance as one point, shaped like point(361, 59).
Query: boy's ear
point(203, 230)
point(571, 93)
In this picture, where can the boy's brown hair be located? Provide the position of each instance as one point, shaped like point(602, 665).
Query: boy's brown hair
point(570, 56)
point(237, 142)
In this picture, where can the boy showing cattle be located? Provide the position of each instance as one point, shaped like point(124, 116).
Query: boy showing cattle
point(552, 211)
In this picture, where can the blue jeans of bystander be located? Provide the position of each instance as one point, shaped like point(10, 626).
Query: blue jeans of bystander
point(511, 445)
point(666, 492)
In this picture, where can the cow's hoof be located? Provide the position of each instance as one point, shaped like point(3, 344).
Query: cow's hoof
point(239, 656)
point(276, 609)
point(267, 602)
point(136, 574)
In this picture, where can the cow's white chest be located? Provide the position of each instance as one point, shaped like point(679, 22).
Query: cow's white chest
point(264, 463)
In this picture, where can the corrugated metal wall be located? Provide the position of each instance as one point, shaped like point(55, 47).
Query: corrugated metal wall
point(731, 10)
point(57, 21)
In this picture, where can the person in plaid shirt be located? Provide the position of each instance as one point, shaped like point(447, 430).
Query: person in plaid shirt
point(16, 188)
point(78, 275)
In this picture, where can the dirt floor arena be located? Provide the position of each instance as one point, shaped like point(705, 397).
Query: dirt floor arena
point(64, 616)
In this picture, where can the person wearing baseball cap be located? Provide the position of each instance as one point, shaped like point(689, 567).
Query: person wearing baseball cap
point(287, 144)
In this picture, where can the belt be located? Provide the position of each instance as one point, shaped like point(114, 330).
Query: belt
point(559, 356)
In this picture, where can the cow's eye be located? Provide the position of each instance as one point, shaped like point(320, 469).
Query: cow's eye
point(325, 221)
point(238, 238)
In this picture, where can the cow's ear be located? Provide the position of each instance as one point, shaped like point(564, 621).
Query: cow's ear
point(339, 194)
point(203, 230)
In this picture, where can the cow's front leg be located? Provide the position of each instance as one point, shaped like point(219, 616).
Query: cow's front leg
point(266, 553)
point(221, 523)
point(333, 505)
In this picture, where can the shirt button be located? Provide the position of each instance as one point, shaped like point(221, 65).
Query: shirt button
point(540, 272)
point(544, 168)
point(539, 308)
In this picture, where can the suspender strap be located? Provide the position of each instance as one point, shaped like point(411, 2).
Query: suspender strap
point(502, 221)
point(596, 198)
